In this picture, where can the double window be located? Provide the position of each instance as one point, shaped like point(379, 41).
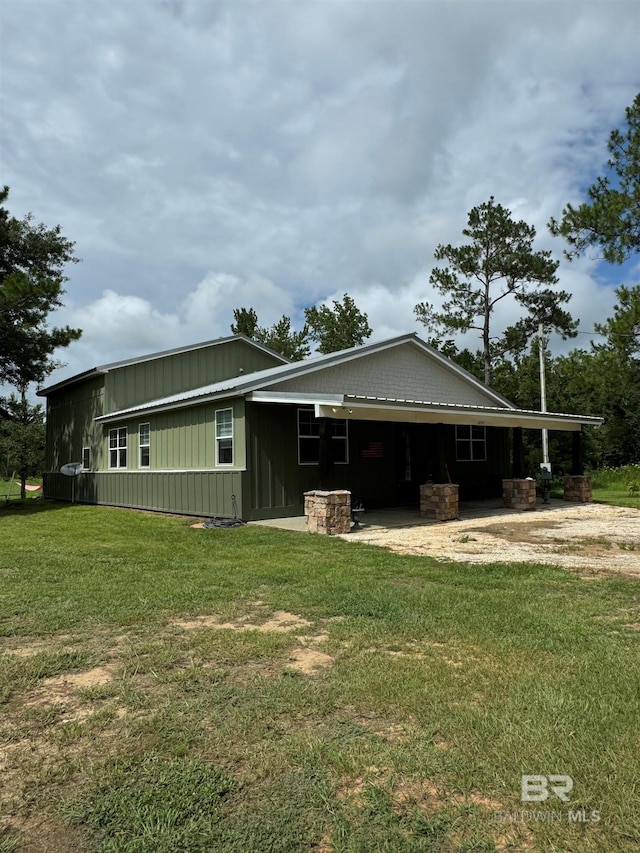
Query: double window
point(118, 447)
point(224, 437)
point(144, 438)
point(471, 443)
point(309, 439)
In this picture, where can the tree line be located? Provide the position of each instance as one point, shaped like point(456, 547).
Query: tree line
point(498, 262)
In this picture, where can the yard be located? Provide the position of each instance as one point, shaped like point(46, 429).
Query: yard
point(250, 689)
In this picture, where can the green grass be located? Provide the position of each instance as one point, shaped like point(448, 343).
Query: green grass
point(10, 494)
point(446, 684)
point(617, 486)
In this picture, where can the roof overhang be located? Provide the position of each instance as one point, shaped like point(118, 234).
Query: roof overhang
point(352, 407)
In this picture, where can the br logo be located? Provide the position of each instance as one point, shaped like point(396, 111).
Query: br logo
point(538, 788)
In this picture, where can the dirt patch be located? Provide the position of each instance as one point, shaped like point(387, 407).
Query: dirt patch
point(590, 539)
point(306, 658)
point(280, 622)
point(46, 834)
point(309, 661)
point(22, 647)
point(60, 692)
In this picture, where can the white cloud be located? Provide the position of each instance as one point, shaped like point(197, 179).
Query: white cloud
point(116, 326)
point(207, 156)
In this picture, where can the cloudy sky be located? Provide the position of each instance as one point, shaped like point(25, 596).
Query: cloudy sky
point(209, 155)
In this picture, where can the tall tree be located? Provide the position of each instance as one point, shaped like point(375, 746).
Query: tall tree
point(22, 435)
point(32, 262)
point(623, 329)
point(279, 337)
point(610, 219)
point(341, 327)
point(498, 262)
point(246, 322)
point(619, 377)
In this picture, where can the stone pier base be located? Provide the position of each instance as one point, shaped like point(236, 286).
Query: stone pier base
point(439, 501)
point(577, 488)
point(519, 494)
point(328, 512)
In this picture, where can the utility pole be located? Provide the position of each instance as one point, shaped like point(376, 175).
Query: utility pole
point(543, 393)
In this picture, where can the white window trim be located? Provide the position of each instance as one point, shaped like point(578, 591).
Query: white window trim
point(141, 445)
point(86, 449)
point(118, 448)
point(470, 442)
point(220, 438)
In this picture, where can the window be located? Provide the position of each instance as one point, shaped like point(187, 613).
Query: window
point(224, 437)
point(144, 434)
point(309, 439)
point(118, 447)
point(86, 458)
point(471, 443)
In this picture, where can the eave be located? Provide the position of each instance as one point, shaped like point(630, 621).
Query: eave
point(353, 407)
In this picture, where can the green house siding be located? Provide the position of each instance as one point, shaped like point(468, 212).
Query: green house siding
point(70, 423)
point(387, 463)
point(181, 439)
point(274, 483)
point(156, 378)
point(187, 467)
point(183, 475)
point(202, 493)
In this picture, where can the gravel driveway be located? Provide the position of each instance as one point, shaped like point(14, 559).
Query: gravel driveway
point(589, 539)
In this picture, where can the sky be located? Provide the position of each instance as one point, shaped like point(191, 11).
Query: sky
point(206, 156)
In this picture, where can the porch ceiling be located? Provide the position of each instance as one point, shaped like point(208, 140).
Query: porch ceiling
point(352, 407)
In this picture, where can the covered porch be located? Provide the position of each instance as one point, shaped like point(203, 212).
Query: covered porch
point(395, 445)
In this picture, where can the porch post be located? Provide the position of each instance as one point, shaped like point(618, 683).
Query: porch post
point(517, 465)
point(325, 454)
point(438, 458)
point(577, 466)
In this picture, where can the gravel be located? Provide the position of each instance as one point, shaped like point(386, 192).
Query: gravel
point(589, 539)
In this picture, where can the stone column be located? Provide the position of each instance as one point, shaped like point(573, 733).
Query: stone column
point(519, 494)
point(328, 512)
point(577, 488)
point(439, 501)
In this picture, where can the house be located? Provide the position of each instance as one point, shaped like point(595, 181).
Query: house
point(229, 427)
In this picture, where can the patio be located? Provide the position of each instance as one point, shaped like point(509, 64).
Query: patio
point(406, 517)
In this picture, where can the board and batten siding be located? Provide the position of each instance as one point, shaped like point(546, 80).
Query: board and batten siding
point(156, 378)
point(71, 414)
point(186, 438)
point(274, 482)
point(183, 475)
point(202, 493)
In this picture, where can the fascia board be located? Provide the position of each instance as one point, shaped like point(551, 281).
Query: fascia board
point(415, 412)
point(294, 397)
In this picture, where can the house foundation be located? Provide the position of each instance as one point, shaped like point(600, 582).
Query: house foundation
point(577, 488)
point(328, 512)
point(439, 501)
point(519, 494)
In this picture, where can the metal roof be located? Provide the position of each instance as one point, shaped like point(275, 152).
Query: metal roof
point(128, 362)
point(255, 387)
point(264, 378)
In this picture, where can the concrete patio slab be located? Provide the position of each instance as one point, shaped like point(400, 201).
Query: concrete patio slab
point(401, 517)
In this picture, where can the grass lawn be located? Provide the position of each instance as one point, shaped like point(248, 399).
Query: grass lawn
point(617, 486)
point(10, 490)
point(168, 689)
